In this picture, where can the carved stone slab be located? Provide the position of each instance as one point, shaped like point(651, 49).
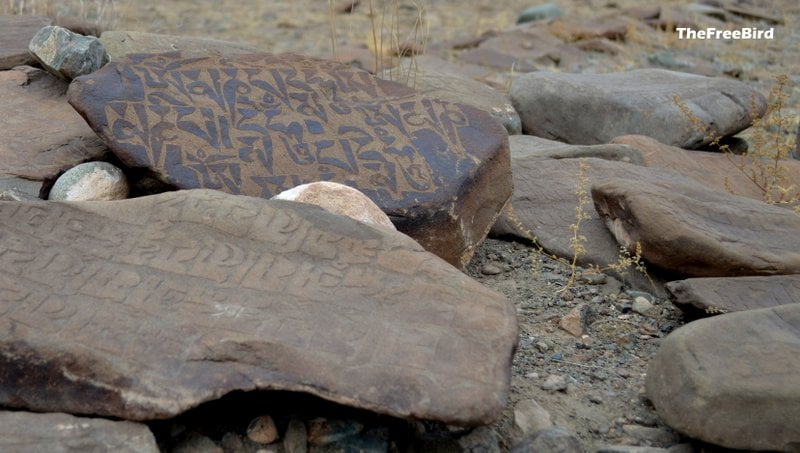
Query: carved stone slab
point(27, 432)
point(714, 296)
point(260, 124)
point(146, 307)
point(41, 134)
point(15, 34)
point(694, 231)
point(717, 170)
point(732, 380)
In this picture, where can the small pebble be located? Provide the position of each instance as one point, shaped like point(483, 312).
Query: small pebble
point(491, 269)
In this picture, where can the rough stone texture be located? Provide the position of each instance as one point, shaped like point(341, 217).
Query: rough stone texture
point(67, 54)
point(459, 89)
point(26, 432)
point(545, 11)
point(260, 124)
point(339, 199)
point(90, 181)
point(146, 307)
point(543, 207)
point(691, 230)
point(532, 146)
point(551, 440)
point(731, 380)
point(716, 170)
point(41, 134)
point(118, 44)
point(713, 296)
point(594, 108)
point(16, 189)
point(15, 34)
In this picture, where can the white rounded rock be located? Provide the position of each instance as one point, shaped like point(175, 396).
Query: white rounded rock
point(339, 199)
point(90, 181)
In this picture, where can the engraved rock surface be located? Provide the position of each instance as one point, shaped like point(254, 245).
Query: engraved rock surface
point(339, 199)
point(41, 134)
point(67, 54)
point(90, 181)
point(712, 296)
point(731, 380)
point(119, 43)
point(591, 109)
point(15, 35)
point(27, 432)
point(532, 146)
point(456, 88)
point(694, 231)
point(146, 307)
point(261, 124)
point(712, 169)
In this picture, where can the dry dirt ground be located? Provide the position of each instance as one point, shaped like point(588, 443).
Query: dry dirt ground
point(599, 377)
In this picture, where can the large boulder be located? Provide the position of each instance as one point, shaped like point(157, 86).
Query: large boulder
point(120, 43)
point(27, 432)
point(691, 230)
point(732, 380)
point(15, 34)
point(543, 206)
point(594, 108)
point(260, 124)
point(143, 308)
point(722, 171)
point(712, 296)
point(41, 135)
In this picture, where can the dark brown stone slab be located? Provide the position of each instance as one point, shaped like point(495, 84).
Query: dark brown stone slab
point(722, 171)
point(695, 231)
point(531, 146)
point(712, 296)
point(544, 201)
point(260, 124)
point(15, 34)
point(146, 307)
point(41, 134)
point(27, 432)
point(731, 380)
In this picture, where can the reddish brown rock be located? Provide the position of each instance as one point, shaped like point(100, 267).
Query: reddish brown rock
point(725, 172)
point(712, 296)
point(260, 124)
point(526, 49)
point(691, 230)
point(41, 134)
point(543, 208)
point(15, 34)
point(731, 380)
point(144, 308)
point(26, 432)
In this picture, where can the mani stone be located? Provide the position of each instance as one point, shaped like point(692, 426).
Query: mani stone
point(460, 89)
point(591, 109)
point(15, 34)
point(27, 432)
point(89, 182)
point(731, 380)
point(118, 44)
point(41, 134)
point(722, 171)
point(144, 308)
point(543, 206)
point(693, 231)
point(338, 199)
point(523, 146)
point(711, 296)
point(261, 124)
point(67, 54)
